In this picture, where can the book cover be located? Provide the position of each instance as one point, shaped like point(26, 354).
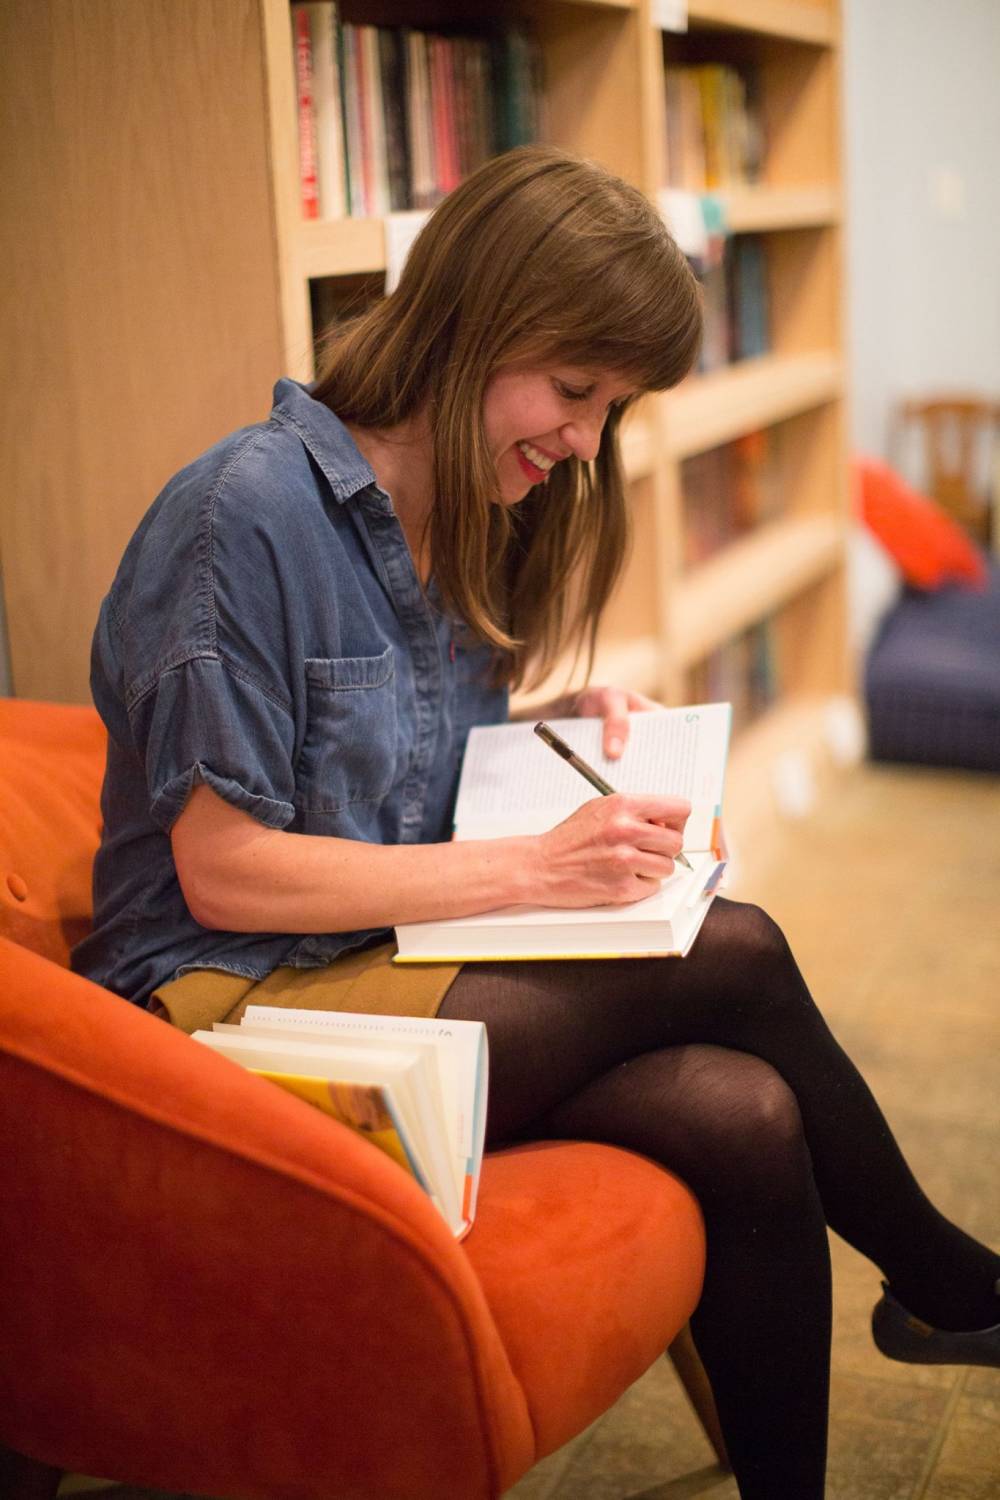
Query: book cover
point(363, 1107)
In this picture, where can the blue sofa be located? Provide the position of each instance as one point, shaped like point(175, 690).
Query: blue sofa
point(932, 679)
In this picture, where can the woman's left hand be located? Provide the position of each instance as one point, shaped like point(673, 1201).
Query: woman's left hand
point(613, 705)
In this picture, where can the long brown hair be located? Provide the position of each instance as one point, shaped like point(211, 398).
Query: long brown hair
point(539, 257)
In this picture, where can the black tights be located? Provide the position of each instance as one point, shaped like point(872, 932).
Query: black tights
point(720, 1067)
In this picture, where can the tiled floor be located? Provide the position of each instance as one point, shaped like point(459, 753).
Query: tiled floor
point(891, 899)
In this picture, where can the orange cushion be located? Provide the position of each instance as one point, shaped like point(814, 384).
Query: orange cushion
point(209, 1285)
point(929, 548)
point(591, 1259)
point(51, 768)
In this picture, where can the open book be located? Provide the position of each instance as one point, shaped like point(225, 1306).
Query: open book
point(512, 783)
point(414, 1086)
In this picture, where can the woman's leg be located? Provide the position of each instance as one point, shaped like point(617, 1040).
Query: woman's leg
point(730, 1127)
point(556, 1027)
point(559, 1037)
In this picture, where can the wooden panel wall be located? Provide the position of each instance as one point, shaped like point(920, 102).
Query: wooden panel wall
point(140, 294)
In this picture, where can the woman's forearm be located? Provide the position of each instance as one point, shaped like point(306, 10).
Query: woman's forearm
point(239, 876)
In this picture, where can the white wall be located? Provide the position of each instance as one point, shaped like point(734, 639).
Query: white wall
point(922, 127)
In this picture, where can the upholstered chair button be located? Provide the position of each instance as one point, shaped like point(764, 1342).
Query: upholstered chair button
point(17, 887)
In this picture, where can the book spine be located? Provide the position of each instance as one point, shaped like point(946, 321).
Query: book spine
point(392, 57)
point(305, 103)
point(419, 114)
point(375, 122)
point(352, 91)
point(326, 89)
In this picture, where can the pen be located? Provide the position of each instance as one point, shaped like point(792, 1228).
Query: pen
point(588, 773)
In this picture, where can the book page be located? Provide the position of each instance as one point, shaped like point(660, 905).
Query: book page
point(458, 1046)
point(514, 783)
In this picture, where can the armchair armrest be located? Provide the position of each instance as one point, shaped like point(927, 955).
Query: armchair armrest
point(212, 1286)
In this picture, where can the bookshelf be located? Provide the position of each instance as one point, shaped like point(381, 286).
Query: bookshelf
point(605, 66)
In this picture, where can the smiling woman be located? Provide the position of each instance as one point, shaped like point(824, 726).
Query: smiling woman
point(302, 631)
point(535, 419)
point(541, 295)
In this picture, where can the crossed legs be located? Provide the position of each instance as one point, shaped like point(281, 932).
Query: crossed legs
point(721, 1067)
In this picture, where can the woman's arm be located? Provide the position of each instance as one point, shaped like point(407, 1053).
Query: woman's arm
point(239, 876)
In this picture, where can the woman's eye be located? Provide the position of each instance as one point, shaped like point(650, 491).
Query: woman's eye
point(570, 393)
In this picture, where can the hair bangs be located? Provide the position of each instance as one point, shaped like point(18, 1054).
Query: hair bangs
point(641, 317)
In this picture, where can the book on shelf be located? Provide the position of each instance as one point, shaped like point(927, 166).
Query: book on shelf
point(306, 111)
point(726, 491)
point(393, 118)
point(713, 125)
point(317, 21)
point(736, 302)
point(745, 669)
point(414, 1086)
point(511, 783)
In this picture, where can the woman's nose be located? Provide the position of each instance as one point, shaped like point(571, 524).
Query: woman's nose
point(583, 435)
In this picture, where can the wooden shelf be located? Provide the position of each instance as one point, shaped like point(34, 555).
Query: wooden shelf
point(348, 247)
point(707, 410)
point(602, 62)
point(791, 20)
point(748, 580)
point(751, 210)
point(341, 247)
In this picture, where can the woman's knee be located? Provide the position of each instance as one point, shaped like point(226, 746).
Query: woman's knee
point(752, 1117)
point(754, 953)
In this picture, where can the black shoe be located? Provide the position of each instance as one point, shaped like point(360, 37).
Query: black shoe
point(899, 1335)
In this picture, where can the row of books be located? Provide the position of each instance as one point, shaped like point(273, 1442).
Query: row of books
point(743, 672)
point(391, 118)
point(727, 491)
point(715, 136)
point(736, 303)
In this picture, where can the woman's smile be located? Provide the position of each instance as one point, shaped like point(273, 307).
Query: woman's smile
point(565, 406)
point(536, 463)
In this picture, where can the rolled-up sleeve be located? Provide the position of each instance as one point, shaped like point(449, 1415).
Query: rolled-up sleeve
point(206, 720)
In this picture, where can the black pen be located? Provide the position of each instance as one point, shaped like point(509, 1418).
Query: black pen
point(588, 773)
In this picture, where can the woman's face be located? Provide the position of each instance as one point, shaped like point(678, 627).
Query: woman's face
point(536, 417)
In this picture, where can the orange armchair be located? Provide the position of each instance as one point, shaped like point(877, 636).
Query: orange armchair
point(210, 1286)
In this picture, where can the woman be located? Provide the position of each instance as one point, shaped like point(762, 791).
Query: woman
point(288, 664)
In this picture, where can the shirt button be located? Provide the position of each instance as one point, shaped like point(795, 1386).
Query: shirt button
point(17, 887)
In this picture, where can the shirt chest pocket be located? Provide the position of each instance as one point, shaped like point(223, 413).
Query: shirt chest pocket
point(349, 751)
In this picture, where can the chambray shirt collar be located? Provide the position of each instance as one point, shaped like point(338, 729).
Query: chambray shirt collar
point(327, 440)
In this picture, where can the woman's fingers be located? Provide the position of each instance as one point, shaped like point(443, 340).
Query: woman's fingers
point(615, 723)
point(613, 705)
point(612, 849)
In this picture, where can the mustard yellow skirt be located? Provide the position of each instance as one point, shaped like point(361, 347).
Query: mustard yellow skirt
point(368, 982)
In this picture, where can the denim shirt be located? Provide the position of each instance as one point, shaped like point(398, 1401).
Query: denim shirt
point(267, 634)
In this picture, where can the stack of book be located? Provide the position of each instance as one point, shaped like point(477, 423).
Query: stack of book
point(727, 491)
point(392, 118)
point(714, 133)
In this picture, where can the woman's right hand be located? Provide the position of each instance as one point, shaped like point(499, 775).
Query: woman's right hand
point(611, 851)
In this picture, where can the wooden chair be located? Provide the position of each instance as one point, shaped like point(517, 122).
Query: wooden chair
point(958, 436)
